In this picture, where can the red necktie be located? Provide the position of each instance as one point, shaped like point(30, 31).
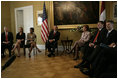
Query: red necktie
point(6, 37)
point(96, 37)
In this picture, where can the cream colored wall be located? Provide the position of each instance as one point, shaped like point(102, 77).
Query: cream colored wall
point(5, 15)
point(38, 5)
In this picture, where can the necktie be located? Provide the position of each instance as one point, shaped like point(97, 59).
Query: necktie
point(6, 37)
point(96, 37)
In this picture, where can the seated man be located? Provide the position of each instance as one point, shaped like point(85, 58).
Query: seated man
point(110, 41)
point(52, 41)
point(6, 41)
point(105, 64)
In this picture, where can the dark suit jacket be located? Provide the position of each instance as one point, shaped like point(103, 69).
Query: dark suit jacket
point(106, 63)
point(101, 36)
point(112, 38)
point(52, 36)
point(10, 37)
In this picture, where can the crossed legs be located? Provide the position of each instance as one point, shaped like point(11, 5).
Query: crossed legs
point(17, 45)
point(33, 44)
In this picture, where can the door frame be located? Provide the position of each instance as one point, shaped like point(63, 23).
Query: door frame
point(21, 8)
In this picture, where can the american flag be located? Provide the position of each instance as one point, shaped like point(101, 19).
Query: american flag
point(103, 12)
point(44, 26)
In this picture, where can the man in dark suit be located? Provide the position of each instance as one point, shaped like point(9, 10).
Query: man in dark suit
point(110, 39)
point(98, 38)
point(109, 42)
point(104, 49)
point(105, 63)
point(6, 41)
point(51, 43)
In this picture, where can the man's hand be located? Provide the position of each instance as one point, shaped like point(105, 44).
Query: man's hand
point(95, 46)
point(91, 44)
point(6, 42)
point(50, 41)
point(112, 45)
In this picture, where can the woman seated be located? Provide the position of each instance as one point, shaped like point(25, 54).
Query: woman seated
point(31, 41)
point(84, 38)
point(20, 37)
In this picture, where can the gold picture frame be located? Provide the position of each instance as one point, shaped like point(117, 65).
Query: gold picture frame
point(115, 11)
point(39, 15)
point(64, 26)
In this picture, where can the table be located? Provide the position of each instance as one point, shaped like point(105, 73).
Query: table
point(66, 45)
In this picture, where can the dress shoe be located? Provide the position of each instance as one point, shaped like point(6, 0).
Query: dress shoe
point(9, 55)
point(79, 65)
point(18, 56)
point(76, 58)
point(85, 65)
point(53, 55)
point(85, 71)
point(3, 56)
point(49, 55)
point(39, 51)
point(69, 52)
point(29, 55)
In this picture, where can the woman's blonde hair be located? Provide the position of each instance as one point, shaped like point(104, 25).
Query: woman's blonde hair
point(21, 28)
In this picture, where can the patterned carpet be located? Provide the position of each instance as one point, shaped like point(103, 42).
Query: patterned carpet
point(41, 66)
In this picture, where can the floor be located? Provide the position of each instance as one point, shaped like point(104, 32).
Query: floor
point(41, 66)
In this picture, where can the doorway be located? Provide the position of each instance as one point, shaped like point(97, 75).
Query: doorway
point(24, 18)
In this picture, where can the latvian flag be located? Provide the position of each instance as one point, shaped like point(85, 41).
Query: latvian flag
point(44, 26)
point(103, 12)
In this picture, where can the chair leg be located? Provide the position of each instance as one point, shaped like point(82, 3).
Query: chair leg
point(24, 51)
point(57, 51)
point(45, 51)
point(36, 50)
point(33, 51)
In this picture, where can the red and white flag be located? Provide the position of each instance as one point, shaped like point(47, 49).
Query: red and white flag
point(44, 26)
point(103, 12)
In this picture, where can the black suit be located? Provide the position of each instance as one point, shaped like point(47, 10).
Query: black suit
point(100, 39)
point(101, 36)
point(105, 64)
point(100, 53)
point(9, 45)
point(112, 38)
point(52, 45)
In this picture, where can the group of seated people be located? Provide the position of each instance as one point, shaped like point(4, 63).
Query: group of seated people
point(7, 41)
point(99, 51)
